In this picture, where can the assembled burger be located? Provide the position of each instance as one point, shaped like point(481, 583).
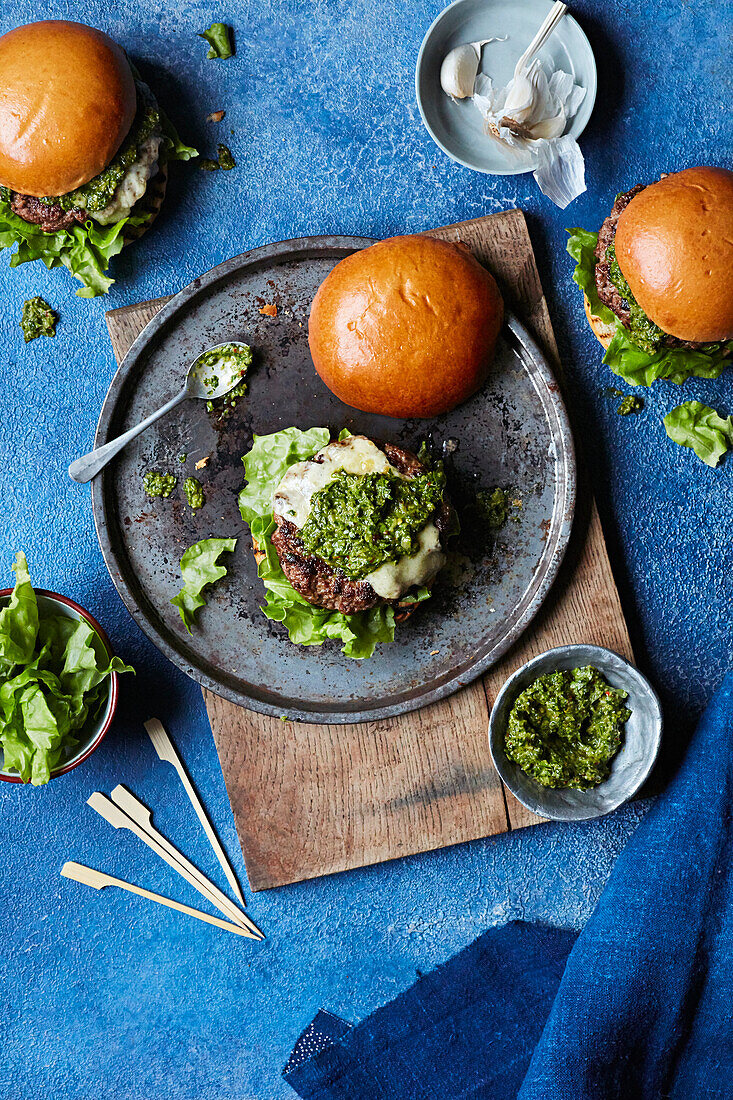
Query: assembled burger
point(349, 534)
point(83, 149)
point(658, 277)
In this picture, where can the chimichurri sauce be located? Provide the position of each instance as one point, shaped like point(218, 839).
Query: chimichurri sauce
point(37, 319)
point(492, 506)
point(157, 484)
point(360, 521)
point(631, 404)
point(641, 329)
point(229, 359)
point(194, 493)
point(565, 728)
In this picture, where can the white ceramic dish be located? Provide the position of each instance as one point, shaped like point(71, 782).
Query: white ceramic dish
point(458, 127)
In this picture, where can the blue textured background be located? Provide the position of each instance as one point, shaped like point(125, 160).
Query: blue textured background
point(102, 995)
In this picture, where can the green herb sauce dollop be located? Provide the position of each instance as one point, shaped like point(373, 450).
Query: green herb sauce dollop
point(565, 728)
point(194, 492)
point(233, 358)
point(360, 521)
point(37, 319)
point(630, 404)
point(157, 484)
point(641, 329)
point(493, 507)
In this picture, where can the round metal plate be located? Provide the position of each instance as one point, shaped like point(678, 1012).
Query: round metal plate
point(513, 433)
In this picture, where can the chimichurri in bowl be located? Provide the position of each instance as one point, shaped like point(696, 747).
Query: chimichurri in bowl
point(575, 732)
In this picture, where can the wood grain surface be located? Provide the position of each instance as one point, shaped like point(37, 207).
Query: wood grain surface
point(309, 799)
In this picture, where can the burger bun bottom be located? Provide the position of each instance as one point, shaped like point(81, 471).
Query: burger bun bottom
point(602, 331)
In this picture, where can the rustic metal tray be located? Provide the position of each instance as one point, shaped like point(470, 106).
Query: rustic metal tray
point(513, 433)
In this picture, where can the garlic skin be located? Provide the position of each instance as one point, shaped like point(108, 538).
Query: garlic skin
point(529, 117)
point(460, 66)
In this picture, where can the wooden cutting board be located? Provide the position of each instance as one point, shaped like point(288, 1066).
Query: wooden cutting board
point(308, 799)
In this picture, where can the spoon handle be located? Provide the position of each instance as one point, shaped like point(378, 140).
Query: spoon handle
point(85, 468)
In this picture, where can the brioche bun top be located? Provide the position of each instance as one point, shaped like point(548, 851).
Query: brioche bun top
point(67, 101)
point(674, 245)
point(406, 327)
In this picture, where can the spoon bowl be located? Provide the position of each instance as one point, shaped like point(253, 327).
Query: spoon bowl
point(208, 381)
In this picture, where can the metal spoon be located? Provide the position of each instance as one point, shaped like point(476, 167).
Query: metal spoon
point(204, 382)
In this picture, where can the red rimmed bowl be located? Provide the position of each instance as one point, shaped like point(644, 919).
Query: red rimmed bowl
point(94, 733)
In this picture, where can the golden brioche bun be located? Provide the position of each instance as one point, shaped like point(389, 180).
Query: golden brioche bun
point(67, 101)
point(600, 329)
point(406, 327)
point(674, 245)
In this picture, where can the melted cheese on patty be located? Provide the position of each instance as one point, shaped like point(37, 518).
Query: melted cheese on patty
point(358, 455)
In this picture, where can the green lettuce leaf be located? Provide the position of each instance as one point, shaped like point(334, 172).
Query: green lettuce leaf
point(695, 425)
point(19, 619)
point(52, 680)
point(639, 368)
point(173, 148)
point(219, 37)
point(86, 250)
point(265, 465)
point(581, 246)
point(199, 568)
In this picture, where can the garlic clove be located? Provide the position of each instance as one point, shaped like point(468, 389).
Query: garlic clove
point(460, 66)
point(549, 128)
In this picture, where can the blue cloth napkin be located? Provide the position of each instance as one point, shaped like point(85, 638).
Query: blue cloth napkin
point(638, 1007)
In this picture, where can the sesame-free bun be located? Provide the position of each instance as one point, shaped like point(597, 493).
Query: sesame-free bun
point(406, 327)
point(600, 329)
point(67, 101)
point(674, 244)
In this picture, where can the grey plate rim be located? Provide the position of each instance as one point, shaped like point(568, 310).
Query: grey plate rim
point(604, 658)
point(576, 127)
point(558, 534)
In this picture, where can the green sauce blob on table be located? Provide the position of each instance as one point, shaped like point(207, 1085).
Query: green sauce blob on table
point(38, 319)
point(360, 521)
point(566, 727)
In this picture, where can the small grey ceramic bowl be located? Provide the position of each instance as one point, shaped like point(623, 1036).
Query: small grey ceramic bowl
point(458, 127)
point(630, 768)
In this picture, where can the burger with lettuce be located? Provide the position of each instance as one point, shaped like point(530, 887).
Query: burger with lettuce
point(658, 277)
point(83, 150)
point(349, 535)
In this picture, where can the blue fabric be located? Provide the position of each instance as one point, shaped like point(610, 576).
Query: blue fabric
point(638, 1007)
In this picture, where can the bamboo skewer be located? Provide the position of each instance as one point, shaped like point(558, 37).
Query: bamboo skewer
point(98, 880)
point(168, 753)
point(120, 820)
point(142, 816)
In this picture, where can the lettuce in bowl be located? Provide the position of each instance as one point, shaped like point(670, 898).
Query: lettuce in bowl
point(54, 681)
point(265, 465)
